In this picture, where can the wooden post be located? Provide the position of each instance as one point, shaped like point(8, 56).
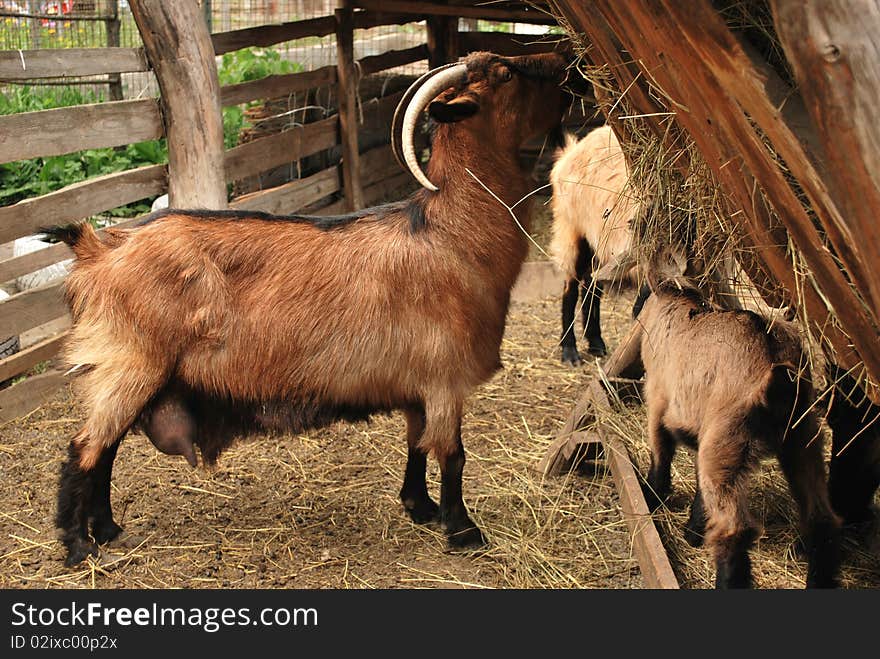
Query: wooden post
point(113, 24)
point(179, 48)
point(442, 40)
point(347, 84)
point(208, 10)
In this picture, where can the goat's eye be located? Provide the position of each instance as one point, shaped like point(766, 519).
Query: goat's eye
point(505, 74)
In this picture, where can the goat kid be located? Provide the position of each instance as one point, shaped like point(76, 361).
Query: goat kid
point(201, 326)
point(735, 388)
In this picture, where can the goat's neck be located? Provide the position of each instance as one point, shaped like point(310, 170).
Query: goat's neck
point(479, 167)
point(466, 208)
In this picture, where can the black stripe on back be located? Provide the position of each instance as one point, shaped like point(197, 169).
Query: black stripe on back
point(413, 208)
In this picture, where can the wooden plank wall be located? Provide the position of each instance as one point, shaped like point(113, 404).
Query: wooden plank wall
point(117, 123)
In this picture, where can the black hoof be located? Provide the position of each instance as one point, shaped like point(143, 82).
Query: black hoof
point(469, 538)
point(571, 356)
point(422, 511)
point(597, 348)
point(823, 581)
point(693, 535)
point(78, 550)
point(105, 531)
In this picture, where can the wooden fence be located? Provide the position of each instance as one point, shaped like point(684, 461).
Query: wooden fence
point(363, 177)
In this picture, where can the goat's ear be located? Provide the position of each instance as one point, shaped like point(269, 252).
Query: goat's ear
point(447, 112)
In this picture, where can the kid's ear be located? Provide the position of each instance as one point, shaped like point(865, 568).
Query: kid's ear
point(447, 112)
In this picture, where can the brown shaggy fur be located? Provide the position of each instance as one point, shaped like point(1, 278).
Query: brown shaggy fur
point(739, 389)
point(288, 323)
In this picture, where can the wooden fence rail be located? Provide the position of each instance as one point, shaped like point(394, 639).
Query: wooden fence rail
point(65, 130)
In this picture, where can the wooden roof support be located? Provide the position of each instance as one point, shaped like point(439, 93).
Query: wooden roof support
point(180, 51)
point(832, 47)
point(722, 54)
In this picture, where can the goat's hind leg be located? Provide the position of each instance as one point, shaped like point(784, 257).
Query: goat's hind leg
point(570, 354)
point(592, 301)
point(414, 493)
point(104, 528)
point(725, 464)
point(695, 528)
point(804, 468)
point(84, 487)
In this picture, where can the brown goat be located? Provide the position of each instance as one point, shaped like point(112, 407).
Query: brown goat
point(204, 326)
point(735, 388)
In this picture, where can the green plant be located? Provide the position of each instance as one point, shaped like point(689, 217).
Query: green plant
point(242, 66)
point(38, 176)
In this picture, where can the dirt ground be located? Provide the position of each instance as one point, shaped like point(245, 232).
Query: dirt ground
point(321, 509)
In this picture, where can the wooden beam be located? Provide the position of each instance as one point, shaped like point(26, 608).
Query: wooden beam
point(716, 122)
point(624, 362)
point(284, 147)
point(30, 357)
point(347, 77)
point(66, 62)
point(486, 12)
point(390, 59)
point(291, 197)
point(84, 199)
point(721, 53)
point(647, 546)
point(833, 53)
point(24, 311)
point(508, 44)
point(442, 40)
point(277, 85)
point(373, 194)
point(179, 47)
point(26, 396)
point(269, 35)
point(64, 130)
point(653, 560)
point(696, 109)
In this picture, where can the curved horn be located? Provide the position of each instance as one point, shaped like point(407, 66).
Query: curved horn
point(396, 128)
point(425, 94)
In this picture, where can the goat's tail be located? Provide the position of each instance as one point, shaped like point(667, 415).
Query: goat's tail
point(81, 237)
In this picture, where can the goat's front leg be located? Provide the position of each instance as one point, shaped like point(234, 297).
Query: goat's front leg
point(662, 444)
point(414, 493)
point(443, 436)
